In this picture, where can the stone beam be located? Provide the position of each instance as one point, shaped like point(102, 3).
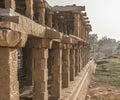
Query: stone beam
point(38, 43)
point(52, 34)
point(66, 39)
point(14, 19)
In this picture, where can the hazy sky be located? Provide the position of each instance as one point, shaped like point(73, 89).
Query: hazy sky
point(104, 15)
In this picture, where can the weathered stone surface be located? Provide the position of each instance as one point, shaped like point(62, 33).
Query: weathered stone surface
point(52, 34)
point(14, 19)
point(56, 85)
point(65, 68)
point(77, 88)
point(40, 74)
point(10, 4)
point(41, 13)
point(9, 87)
point(9, 38)
point(72, 64)
point(76, 61)
point(66, 39)
point(29, 8)
point(38, 43)
point(49, 18)
point(76, 24)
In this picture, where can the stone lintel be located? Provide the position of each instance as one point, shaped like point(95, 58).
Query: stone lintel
point(51, 34)
point(34, 42)
point(29, 27)
point(14, 19)
point(66, 39)
point(57, 45)
point(10, 38)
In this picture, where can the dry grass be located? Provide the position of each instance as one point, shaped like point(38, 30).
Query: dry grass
point(106, 82)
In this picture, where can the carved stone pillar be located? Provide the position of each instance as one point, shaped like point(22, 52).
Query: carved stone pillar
point(9, 86)
point(82, 57)
point(29, 8)
point(56, 24)
point(80, 28)
point(80, 60)
point(65, 68)
point(76, 61)
point(41, 13)
point(40, 73)
point(49, 18)
point(76, 24)
point(72, 64)
point(61, 27)
point(10, 4)
point(56, 85)
point(27, 61)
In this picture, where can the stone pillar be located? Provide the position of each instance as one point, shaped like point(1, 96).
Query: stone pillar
point(76, 24)
point(82, 57)
point(40, 73)
point(41, 13)
point(49, 18)
point(27, 61)
point(76, 62)
point(80, 60)
point(29, 8)
point(80, 28)
point(72, 64)
point(61, 27)
point(65, 28)
point(56, 24)
point(10, 4)
point(65, 68)
point(9, 86)
point(56, 85)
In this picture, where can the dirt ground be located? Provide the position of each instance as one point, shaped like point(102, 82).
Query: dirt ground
point(105, 84)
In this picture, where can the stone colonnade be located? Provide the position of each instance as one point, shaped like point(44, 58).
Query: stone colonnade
point(66, 65)
point(67, 58)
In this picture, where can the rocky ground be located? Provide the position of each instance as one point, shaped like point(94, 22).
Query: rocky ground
point(105, 84)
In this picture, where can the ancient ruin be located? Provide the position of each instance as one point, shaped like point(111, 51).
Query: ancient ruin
point(44, 51)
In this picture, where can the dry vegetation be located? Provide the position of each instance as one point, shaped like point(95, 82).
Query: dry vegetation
point(106, 82)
